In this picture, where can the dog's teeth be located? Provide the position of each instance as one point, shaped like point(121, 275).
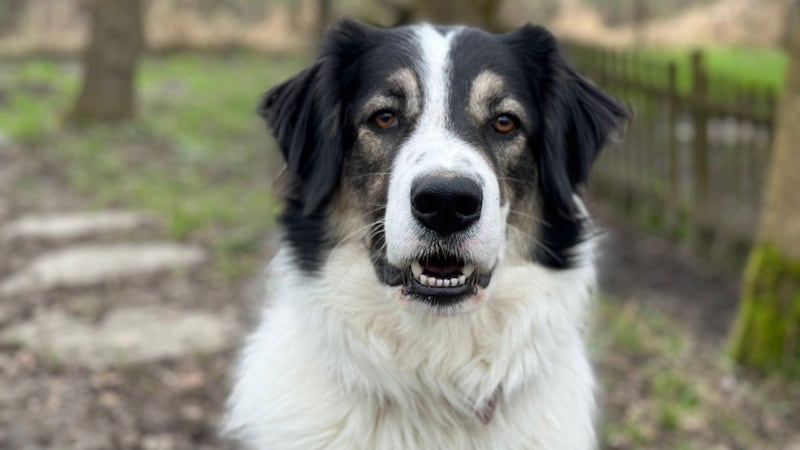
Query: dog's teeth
point(431, 281)
point(468, 270)
point(462, 279)
point(439, 282)
point(445, 283)
point(416, 269)
point(453, 281)
point(423, 279)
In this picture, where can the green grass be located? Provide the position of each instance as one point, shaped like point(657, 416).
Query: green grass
point(197, 154)
point(662, 388)
point(33, 96)
point(763, 66)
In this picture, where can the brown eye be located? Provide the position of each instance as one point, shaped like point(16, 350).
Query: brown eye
point(504, 124)
point(384, 119)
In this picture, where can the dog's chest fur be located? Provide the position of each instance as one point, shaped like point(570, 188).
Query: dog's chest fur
point(323, 372)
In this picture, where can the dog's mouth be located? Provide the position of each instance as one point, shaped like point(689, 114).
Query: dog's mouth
point(443, 280)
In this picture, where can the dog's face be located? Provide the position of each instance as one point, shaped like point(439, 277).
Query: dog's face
point(444, 152)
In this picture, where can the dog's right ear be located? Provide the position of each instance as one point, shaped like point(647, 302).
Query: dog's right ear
point(306, 116)
point(293, 110)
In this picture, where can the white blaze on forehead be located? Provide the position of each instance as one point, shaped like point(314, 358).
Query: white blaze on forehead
point(434, 68)
point(434, 148)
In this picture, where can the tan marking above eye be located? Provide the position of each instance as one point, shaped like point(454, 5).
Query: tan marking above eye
point(488, 96)
point(504, 123)
point(384, 119)
point(405, 80)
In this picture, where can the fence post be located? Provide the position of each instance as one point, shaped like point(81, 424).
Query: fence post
point(700, 150)
point(672, 145)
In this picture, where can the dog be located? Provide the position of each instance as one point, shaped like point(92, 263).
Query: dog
point(432, 286)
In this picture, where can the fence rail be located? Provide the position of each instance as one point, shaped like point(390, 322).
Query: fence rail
point(694, 159)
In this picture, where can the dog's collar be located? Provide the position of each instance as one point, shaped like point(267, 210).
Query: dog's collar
point(486, 413)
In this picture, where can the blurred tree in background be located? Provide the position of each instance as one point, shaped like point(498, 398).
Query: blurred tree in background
point(767, 332)
point(115, 43)
point(792, 21)
point(324, 16)
point(10, 13)
point(481, 13)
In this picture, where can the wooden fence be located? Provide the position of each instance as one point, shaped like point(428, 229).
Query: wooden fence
point(693, 161)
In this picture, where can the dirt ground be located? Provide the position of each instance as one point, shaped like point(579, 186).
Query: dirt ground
point(636, 267)
point(50, 402)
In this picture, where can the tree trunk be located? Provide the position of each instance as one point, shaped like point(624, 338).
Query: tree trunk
point(792, 22)
point(324, 16)
point(480, 13)
point(767, 332)
point(115, 43)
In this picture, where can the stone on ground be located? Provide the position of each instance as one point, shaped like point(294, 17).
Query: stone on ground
point(74, 225)
point(86, 265)
point(5, 139)
point(128, 335)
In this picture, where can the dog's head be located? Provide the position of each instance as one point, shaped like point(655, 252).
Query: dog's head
point(445, 152)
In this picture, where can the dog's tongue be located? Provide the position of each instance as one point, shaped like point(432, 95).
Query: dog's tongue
point(443, 269)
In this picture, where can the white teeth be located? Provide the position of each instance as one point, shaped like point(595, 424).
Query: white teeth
point(468, 270)
point(427, 280)
point(416, 269)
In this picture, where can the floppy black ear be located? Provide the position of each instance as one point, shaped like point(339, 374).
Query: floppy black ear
point(306, 116)
point(577, 118)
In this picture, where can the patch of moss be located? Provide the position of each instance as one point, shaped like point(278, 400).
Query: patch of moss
point(766, 337)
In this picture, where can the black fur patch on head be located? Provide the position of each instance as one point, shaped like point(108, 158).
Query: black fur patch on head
point(577, 119)
point(311, 118)
point(476, 54)
point(306, 115)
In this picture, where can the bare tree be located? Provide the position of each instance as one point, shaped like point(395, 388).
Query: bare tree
point(324, 16)
point(792, 21)
point(767, 333)
point(481, 13)
point(115, 43)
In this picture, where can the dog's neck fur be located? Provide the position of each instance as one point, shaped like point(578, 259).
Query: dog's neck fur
point(345, 360)
point(471, 360)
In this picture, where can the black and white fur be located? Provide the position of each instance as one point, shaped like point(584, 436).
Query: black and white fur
point(354, 351)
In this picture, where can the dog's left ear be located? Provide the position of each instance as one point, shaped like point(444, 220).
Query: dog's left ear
point(577, 119)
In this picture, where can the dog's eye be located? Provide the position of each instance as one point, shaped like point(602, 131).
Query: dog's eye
point(384, 119)
point(504, 123)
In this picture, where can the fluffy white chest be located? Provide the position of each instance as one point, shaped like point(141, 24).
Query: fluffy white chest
point(337, 364)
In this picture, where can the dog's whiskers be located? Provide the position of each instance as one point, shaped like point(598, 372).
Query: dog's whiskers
point(536, 219)
point(536, 240)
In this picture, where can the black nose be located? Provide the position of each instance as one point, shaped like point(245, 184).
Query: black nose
point(446, 204)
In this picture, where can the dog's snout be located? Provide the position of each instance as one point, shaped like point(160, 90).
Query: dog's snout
point(446, 204)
